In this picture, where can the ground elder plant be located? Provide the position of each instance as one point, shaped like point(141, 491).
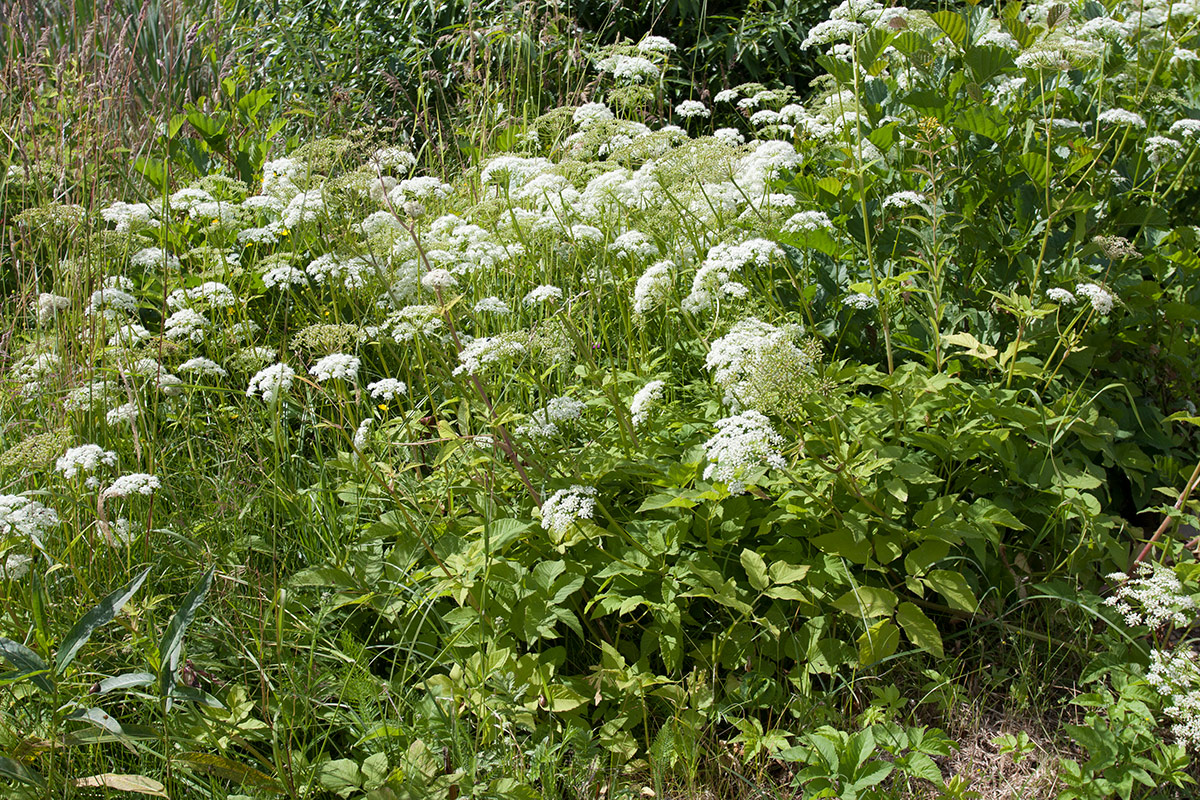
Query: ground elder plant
point(675, 423)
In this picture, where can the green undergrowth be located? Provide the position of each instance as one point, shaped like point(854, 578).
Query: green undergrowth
point(683, 449)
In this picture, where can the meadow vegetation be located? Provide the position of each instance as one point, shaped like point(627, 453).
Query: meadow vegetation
point(411, 401)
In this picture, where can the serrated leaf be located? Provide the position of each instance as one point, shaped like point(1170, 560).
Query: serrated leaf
point(953, 25)
point(28, 662)
point(867, 601)
point(954, 587)
point(910, 42)
point(101, 614)
point(134, 784)
point(756, 569)
point(172, 641)
point(920, 629)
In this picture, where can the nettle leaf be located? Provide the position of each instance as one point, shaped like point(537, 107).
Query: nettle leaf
point(920, 629)
point(954, 587)
point(988, 62)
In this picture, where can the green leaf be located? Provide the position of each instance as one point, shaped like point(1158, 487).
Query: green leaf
point(134, 784)
point(127, 681)
point(153, 170)
point(867, 602)
point(229, 770)
point(101, 614)
point(954, 587)
point(843, 542)
point(879, 642)
point(985, 121)
point(953, 25)
point(28, 662)
point(15, 770)
point(756, 569)
point(973, 346)
point(783, 572)
point(172, 641)
point(988, 62)
point(920, 629)
point(1037, 167)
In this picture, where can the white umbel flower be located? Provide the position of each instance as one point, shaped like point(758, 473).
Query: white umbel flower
point(741, 444)
point(133, 483)
point(386, 389)
point(84, 458)
point(645, 400)
point(271, 382)
point(336, 366)
point(567, 506)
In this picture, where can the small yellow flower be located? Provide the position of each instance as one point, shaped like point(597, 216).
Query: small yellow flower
point(382, 406)
point(284, 232)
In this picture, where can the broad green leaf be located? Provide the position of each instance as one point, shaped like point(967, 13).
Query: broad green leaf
point(101, 614)
point(783, 572)
point(953, 25)
point(843, 542)
point(28, 662)
point(954, 587)
point(1037, 167)
point(98, 717)
point(172, 641)
point(16, 771)
point(874, 773)
point(878, 642)
point(988, 62)
point(985, 121)
point(867, 601)
point(133, 784)
point(756, 569)
point(920, 629)
point(909, 42)
point(974, 347)
point(340, 776)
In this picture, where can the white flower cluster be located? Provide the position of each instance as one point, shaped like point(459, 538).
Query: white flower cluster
point(481, 353)
point(742, 443)
point(542, 424)
point(84, 458)
point(386, 389)
point(1176, 676)
point(715, 276)
point(21, 516)
point(566, 507)
point(690, 109)
point(48, 305)
point(543, 294)
point(652, 287)
point(1102, 300)
point(860, 301)
point(335, 366)
point(1060, 296)
point(492, 305)
point(645, 400)
point(1153, 597)
point(15, 566)
point(133, 483)
point(808, 222)
point(185, 324)
point(271, 382)
point(1119, 116)
point(634, 244)
point(203, 366)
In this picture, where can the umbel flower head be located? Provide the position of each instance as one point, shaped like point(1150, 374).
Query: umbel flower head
point(741, 444)
point(567, 506)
